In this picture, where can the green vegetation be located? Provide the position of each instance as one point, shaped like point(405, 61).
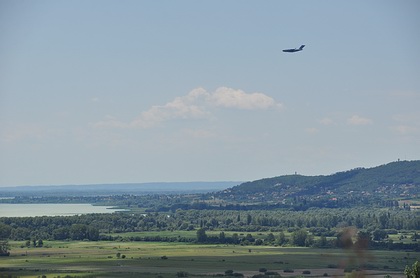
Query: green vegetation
point(382, 186)
point(102, 259)
point(346, 223)
point(414, 271)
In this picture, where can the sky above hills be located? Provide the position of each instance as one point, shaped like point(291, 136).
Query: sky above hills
point(143, 91)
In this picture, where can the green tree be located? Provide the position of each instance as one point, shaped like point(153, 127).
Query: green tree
point(4, 248)
point(5, 230)
point(222, 237)
point(92, 233)
point(282, 238)
point(299, 237)
point(235, 238)
point(383, 220)
point(248, 219)
point(61, 233)
point(249, 238)
point(322, 242)
point(414, 271)
point(201, 235)
point(309, 241)
point(78, 231)
point(379, 234)
point(363, 240)
point(270, 237)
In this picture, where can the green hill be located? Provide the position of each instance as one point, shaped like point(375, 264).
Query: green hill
point(392, 181)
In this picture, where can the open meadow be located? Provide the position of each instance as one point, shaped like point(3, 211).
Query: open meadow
point(157, 259)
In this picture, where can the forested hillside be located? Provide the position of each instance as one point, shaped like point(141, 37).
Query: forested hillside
point(385, 183)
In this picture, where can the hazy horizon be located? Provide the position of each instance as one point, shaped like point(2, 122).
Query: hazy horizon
point(123, 184)
point(105, 92)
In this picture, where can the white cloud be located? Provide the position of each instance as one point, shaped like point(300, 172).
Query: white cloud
point(326, 121)
point(405, 129)
point(180, 108)
point(200, 133)
point(312, 130)
point(195, 105)
point(231, 98)
point(407, 124)
point(111, 122)
point(19, 132)
point(357, 120)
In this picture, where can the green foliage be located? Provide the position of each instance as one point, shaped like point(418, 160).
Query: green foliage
point(282, 238)
point(4, 248)
point(414, 271)
point(5, 230)
point(299, 238)
point(201, 235)
point(379, 234)
point(343, 189)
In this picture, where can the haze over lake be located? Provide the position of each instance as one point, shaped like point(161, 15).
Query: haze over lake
point(32, 210)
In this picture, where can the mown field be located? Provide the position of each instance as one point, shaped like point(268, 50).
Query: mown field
point(150, 259)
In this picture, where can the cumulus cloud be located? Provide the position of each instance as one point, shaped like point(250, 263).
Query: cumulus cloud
point(231, 98)
point(358, 120)
point(196, 104)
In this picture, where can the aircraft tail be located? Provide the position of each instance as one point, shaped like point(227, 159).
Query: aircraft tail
point(301, 47)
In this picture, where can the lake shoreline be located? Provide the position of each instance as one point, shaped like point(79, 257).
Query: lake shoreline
point(37, 210)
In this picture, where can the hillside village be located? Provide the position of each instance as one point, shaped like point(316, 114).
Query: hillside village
point(355, 186)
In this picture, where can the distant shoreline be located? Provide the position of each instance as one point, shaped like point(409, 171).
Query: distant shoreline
point(112, 189)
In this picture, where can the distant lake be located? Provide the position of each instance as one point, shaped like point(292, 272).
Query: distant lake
point(31, 210)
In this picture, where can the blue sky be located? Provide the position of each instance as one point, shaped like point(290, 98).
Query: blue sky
point(143, 91)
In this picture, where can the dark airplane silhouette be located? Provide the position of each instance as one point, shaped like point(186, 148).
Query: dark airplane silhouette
point(294, 49)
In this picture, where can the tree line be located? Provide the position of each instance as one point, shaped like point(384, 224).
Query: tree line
point(318, 221)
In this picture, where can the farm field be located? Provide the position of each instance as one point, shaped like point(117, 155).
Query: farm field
point(157, 259)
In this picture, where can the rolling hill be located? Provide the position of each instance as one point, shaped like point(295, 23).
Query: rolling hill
point(396, 180)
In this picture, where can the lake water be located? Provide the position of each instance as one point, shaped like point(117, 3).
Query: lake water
point(31, 210)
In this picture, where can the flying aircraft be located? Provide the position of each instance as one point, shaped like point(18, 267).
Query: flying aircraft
point(294, 49)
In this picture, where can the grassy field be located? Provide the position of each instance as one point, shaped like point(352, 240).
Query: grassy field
point(141, 259)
